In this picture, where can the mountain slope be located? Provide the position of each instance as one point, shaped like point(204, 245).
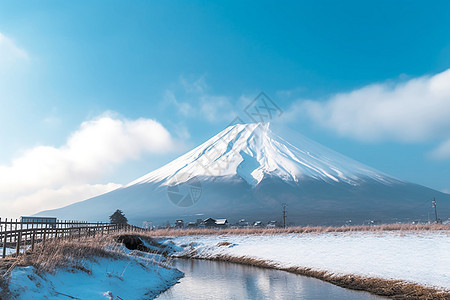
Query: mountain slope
point(247, 171)
point(253, 151)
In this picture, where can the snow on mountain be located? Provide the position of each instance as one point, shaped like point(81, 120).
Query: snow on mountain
point(247, 171)
point(253, 151)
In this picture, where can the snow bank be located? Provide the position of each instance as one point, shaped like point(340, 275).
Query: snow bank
point(133, 277)
point(417, 257)
point(8, 251)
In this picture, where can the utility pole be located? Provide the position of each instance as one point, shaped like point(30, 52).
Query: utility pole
point(435, 210)
point(284, 214)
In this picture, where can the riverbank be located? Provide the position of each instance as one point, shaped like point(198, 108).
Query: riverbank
point(91, 268)
point(214, 280)
point(397, 264)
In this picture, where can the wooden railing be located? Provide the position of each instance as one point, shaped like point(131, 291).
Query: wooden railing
point(23, 235)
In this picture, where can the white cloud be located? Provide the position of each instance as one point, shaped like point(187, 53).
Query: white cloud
point(10, 52)
point(36, 178)
point(413, 111)
point(410, 111)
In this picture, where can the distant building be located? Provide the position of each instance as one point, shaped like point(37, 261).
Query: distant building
point(272, 224)
point(192, 225)
point(179, 224)
point(214, 223)
point(243, 223)
point(209, 222)
point(47, 220)
point(258, 224)
point(221, 222)
point(33, 222)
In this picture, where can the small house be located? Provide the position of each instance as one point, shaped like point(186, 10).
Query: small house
point(272, 224)
point(39, 221)
point(243, 223)
point(221, 222)
point(210, 222)
point(258, 224)
point(179, 224)
point(47, 220)
point(192, 225)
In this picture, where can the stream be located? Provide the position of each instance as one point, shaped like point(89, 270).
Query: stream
point(206, 279)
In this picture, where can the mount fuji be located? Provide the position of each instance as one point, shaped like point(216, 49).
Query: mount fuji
point(248, 171)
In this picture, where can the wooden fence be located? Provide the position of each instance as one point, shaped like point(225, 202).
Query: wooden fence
point(20, 235)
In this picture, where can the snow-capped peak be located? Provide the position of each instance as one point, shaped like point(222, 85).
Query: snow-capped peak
point(253, 151)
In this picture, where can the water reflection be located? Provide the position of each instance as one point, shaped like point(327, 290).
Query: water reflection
point(220, 280)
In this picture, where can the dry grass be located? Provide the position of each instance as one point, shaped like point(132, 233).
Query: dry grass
point(306, 229)
point(395, 289)
point(72, 254)
point(224, 244)
point(54, 254)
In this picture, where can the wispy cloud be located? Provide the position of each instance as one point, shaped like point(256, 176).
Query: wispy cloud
point(191, 98)
point(442, 152)
point(39, 177)
point(416, 110)
point(10, 52)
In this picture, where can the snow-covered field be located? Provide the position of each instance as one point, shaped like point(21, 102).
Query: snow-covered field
point(418, 257)
point(104, 278)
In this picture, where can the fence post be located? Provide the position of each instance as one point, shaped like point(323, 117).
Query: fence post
point(26, 236)
point(32, 241)
point(19, 237)
point(4, 239)
point(11, 229)
point(44, 234)
point(15, 225)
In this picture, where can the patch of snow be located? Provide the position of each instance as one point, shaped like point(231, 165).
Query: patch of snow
point(419, 257)
point(161, 246)
point(133, 277)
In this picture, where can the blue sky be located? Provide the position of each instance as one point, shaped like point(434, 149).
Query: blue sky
point(365, 78)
